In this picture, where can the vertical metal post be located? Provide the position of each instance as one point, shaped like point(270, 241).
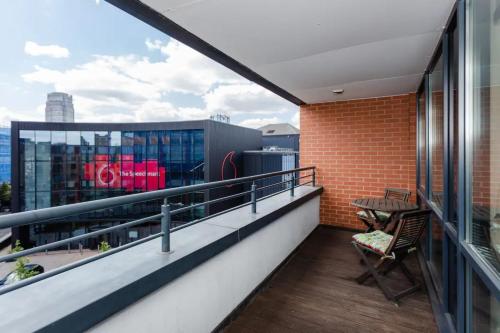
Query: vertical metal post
point(253, 198)
point(292, 188)
point(165, 226)
point(314, 178)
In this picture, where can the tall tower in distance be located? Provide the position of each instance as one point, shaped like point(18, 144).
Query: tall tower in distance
point(59, 108)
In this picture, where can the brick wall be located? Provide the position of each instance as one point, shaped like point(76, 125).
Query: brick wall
point(359, 148)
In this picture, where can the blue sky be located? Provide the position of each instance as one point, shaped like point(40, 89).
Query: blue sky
point(117, 68)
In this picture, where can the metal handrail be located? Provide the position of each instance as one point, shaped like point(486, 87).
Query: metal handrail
point(48, 214)
point(44, 214)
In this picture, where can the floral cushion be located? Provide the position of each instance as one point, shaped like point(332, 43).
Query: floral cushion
point(378, 240)
point(383, 216)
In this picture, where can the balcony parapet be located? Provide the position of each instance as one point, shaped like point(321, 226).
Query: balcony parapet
point(216, 263)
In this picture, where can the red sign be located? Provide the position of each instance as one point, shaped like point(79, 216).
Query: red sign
point(126, 174)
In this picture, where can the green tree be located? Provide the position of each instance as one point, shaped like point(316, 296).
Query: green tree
point(103, 246)
point(21, 271)
point(5, 194)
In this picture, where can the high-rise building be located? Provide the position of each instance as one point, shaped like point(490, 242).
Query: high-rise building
point(59, 108)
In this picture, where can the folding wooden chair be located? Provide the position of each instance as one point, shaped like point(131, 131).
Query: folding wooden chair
point(392, 251)
point(390, 193)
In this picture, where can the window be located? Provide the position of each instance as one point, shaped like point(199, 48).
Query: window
point(452, 280)
point(454, 137)
point(115, 146)
point(43, 176)
point(422, 140)
point(28, 176)
point(42, 145)
point(437, 250)
point(42, 200)
point(27, 145)
point(87, 147)
point(102, 141)
point(485, 308)
point(73, 146)
point(152, 146)
point(437, 134)
point(485, 219)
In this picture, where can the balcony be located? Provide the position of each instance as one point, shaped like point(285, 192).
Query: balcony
point(388, 98)
point(315, 292)
point(264, 265)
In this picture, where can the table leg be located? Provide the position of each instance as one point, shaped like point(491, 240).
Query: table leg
point(391, 222)
point(378, 224)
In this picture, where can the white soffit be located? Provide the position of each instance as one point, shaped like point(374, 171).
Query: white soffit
point(310, 47)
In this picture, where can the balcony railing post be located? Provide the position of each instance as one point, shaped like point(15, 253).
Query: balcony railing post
point(165, 226)
point(253, 198)
point(314, 178)
point(292, 188)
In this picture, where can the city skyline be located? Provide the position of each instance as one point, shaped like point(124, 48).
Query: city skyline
point(142, 76)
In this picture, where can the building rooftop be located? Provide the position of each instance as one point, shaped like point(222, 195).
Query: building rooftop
point(279, 129)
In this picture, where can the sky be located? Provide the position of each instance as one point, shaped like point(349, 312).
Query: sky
point(118, 69)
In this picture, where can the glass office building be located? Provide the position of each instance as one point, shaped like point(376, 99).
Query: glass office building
point(59, 164)
point(4, 155)
point(64, 167)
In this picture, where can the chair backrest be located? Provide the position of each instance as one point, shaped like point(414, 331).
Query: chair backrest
point(410, 227)
point(397, 193)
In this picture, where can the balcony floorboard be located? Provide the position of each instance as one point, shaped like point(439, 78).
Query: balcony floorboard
point(316, 292)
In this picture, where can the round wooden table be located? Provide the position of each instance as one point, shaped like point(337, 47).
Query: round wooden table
point(392, 206)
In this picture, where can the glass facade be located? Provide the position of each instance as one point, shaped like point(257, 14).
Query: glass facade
point(436, 253)
point(454, 127)
point(422, 144)
point(63, 167)
point(485, 308)
point(4, 155)
point(461, 105)
point(437, 132)
point(485, 83)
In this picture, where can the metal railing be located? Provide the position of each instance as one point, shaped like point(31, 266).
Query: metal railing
point(47, 215)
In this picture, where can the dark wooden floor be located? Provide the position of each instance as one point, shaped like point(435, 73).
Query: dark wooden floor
point(316, 292)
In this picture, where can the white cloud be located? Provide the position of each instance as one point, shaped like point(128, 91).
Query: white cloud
point(131, 88)
point(153, 45)
point(245, 98)
point(54, 51)
point(295, 121)
point(258, 122)
point(7, 115)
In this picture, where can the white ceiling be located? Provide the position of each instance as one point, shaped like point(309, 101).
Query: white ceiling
point(309, 47)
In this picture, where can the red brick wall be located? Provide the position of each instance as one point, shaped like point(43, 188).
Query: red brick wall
point(359, 148)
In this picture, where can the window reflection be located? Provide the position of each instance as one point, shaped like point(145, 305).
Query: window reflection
point(42, 145)
point(27, 145)
point(485, 308)
point(422, 140)
point(454, 128)
point(452, 280)
point(437, 127)
point(437, 250)
point(62, 167)
point(486, 135)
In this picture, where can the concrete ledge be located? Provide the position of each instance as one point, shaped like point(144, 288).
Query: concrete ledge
point(79, 299)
